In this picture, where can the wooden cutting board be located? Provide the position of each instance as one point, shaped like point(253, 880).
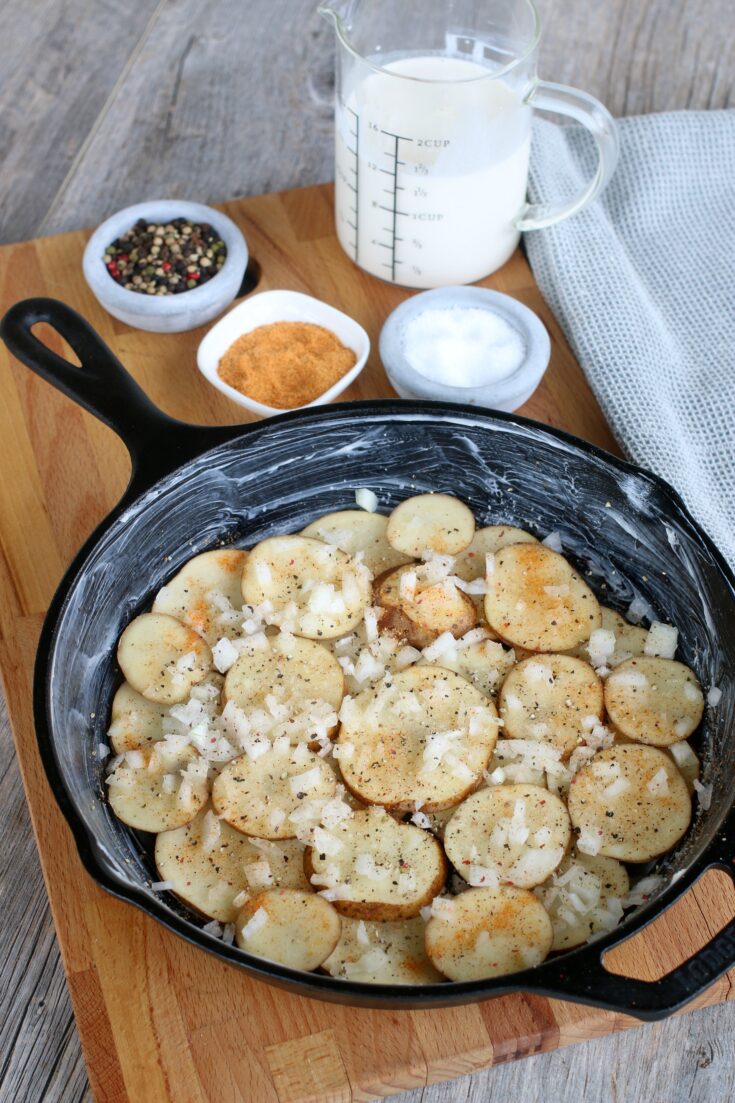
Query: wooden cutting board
point(158, 1019)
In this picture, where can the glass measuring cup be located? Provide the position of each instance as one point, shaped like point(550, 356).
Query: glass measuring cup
point(433, 130)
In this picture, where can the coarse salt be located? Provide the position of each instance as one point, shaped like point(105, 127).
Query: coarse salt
point(462, 346)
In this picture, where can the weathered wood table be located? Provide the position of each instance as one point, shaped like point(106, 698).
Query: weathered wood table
point(105, 104)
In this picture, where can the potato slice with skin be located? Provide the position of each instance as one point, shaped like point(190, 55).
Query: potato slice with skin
point(681, 754)
point(511, 833)
point(484, 664)
point(654, 701)
point(630, 639)
point(135, 721)
point(380, 869)
point(535, 599)
point(382, 953)
point(296, 670)
point(583, 898)
point(293, 928)
point(162, 658)
point(470, 564)
point(421, 619)
point(141, 797)
point(489, 933)
point(436, 521)
point(208, 876)
point(188, 595)
point(354, 530)
point(327, 588)
point(553, 699)
point(425, 739)
point(247, 793)
point(630, 802)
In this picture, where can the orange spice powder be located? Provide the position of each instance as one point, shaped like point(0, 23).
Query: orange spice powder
point(285, 364)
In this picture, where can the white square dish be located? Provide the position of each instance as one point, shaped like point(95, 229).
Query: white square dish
point(279, 306)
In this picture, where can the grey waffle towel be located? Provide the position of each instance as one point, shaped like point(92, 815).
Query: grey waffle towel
point(643, 284)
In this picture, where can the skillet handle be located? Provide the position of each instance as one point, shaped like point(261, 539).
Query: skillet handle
point(156, 442)
point(590, 981)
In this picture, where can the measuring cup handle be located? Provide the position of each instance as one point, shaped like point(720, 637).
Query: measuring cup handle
point(597, 119)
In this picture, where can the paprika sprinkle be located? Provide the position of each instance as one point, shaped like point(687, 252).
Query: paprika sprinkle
point(285, 364)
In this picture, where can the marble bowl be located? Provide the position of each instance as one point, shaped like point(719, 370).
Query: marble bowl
point(505, 394)
point(166, 313)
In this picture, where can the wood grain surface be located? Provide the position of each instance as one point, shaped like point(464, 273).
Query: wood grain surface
point(104, 104)
point(158, 1019)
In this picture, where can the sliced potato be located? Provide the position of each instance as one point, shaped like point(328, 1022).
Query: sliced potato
point(510, 833)
point(135, 721)
point(210, 864)
point(162, 658)
point(382, 953)
point(378, 868)
point(535, 599)
point(425, 739)
point(630, 639)
point(584, 898)
point(553, 699)
point(354, 530)
point(316, 588)
point(630, 802)
point(488, 933)
point(470, 564)
point(200, 594)
point(292, 671)
point(293, 928)
point(420, 618)
point(438, 522)
point(259, 796)
point(157, 788)
point(654, 701)
point(484, 664)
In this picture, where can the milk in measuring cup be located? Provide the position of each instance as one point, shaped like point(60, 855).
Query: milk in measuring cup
point(430, 176)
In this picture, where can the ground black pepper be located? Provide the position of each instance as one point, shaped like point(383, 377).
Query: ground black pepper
point(165, 258)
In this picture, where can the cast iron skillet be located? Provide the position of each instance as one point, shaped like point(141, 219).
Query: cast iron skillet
point(193, 487)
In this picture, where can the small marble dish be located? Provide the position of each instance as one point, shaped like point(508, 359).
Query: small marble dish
point(166, 313)
point(507, 392)
point(279, 306)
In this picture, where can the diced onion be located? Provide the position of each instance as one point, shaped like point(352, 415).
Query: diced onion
point(659, 783)
point(224, 654)
point(366, 499)
point(661, 641)
point(704, 794)
point(553, 541)
point(254, 924)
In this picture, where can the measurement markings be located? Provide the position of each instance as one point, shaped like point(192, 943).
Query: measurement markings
point(355, 188)
point(393, 210)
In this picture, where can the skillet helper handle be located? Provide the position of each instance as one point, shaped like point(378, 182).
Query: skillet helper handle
point(651, 1000)
point(156, 442)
